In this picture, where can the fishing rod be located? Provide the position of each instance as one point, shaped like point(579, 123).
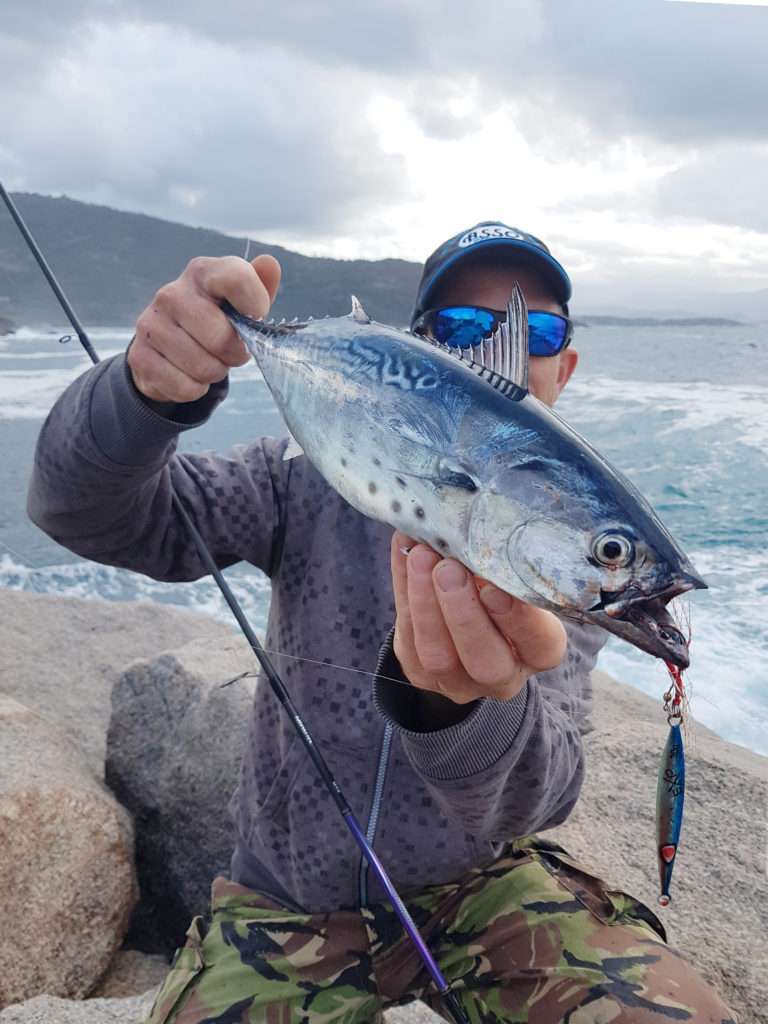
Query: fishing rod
point(449, 997)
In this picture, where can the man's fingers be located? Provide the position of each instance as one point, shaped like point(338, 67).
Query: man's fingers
point(204, 320)
point(235, 280)
point(538, 636)
point(461, 643)
point(485, 654)
point(159, 379)
point(184, 329)
point(270, 272)
point(186, 354)
point(431, 635)
point(404, 648)
point(400, 544)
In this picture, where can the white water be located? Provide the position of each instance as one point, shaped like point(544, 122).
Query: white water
point(682, 414)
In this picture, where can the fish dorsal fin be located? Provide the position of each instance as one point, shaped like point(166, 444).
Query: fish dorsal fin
point(509, 342)
point(358, 313)
point(502, 359)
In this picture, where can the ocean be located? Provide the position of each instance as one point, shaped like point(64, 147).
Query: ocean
point(682, 411)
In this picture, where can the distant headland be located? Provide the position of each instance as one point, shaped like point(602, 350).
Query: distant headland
point(654, 321)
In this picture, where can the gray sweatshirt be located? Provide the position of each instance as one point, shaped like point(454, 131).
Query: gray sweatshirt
point(434, 802)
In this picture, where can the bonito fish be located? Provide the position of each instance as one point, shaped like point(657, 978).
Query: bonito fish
point(451, 448)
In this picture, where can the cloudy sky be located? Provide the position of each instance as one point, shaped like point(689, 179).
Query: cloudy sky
point(632, 135)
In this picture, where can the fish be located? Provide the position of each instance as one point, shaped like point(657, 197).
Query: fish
point(450, 447)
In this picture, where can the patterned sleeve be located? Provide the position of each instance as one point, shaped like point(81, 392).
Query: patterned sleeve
point(106, 472)
point(509, 768)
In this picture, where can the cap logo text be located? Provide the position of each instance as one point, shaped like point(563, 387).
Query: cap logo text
point(489, 231)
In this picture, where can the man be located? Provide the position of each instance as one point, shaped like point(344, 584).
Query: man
point(451, 773)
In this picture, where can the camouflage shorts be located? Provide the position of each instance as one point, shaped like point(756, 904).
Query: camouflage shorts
point(532, 937)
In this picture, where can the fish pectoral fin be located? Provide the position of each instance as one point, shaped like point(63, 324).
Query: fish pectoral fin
point(293, 450)
point(453, 473)
point(450, 473)
point(419, 432)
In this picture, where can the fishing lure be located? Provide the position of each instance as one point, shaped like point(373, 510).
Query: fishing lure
point(670, 790)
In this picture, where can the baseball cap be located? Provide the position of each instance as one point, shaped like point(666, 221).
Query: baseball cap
point(520, 245)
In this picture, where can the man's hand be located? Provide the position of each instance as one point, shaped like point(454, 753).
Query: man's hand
point(462, 640)
point(184, 343)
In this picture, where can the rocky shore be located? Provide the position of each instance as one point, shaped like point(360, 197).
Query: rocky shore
point(111, 716)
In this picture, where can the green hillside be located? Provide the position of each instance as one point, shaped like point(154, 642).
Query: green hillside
point(110, 264)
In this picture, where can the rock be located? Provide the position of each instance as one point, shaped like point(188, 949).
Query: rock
point(170, 706)
point(173, 753)
point(7, 326)
point(48, 1010)
point(130, 974)
point(718, 917)
point(413, 1013)
point(66, 863)
point(100, 638)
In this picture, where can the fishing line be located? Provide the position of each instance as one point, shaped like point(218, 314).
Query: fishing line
point(22, 558)
point(449, 997)
point(327, 664)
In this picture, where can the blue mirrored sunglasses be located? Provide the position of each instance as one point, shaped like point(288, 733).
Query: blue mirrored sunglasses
point(465, 326)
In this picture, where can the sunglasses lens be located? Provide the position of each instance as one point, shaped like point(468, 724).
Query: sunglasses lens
point(547, 334)
point(462, 326)
point(465, 326)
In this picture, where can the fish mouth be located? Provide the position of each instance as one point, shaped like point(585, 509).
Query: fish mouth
point(644, 620)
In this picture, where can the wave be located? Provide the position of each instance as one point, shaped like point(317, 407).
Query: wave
point(90, 580)
point(696, 451)
point(29, 394)
point(699, 407)
point(49, 334)
point(728, 678)
point(722, 696)
point(65, 353)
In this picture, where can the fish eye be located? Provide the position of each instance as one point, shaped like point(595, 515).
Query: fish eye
point(613, 550)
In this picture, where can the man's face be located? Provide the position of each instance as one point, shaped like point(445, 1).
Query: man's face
point(490, 285)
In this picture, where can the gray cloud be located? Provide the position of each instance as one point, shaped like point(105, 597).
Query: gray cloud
point(670, 71)
point(144, 118)
point(673, 72)
point(436, 118)
point(723, 186)
point(252, 115)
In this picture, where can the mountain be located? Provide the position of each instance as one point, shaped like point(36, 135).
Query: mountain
point(110, 264)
